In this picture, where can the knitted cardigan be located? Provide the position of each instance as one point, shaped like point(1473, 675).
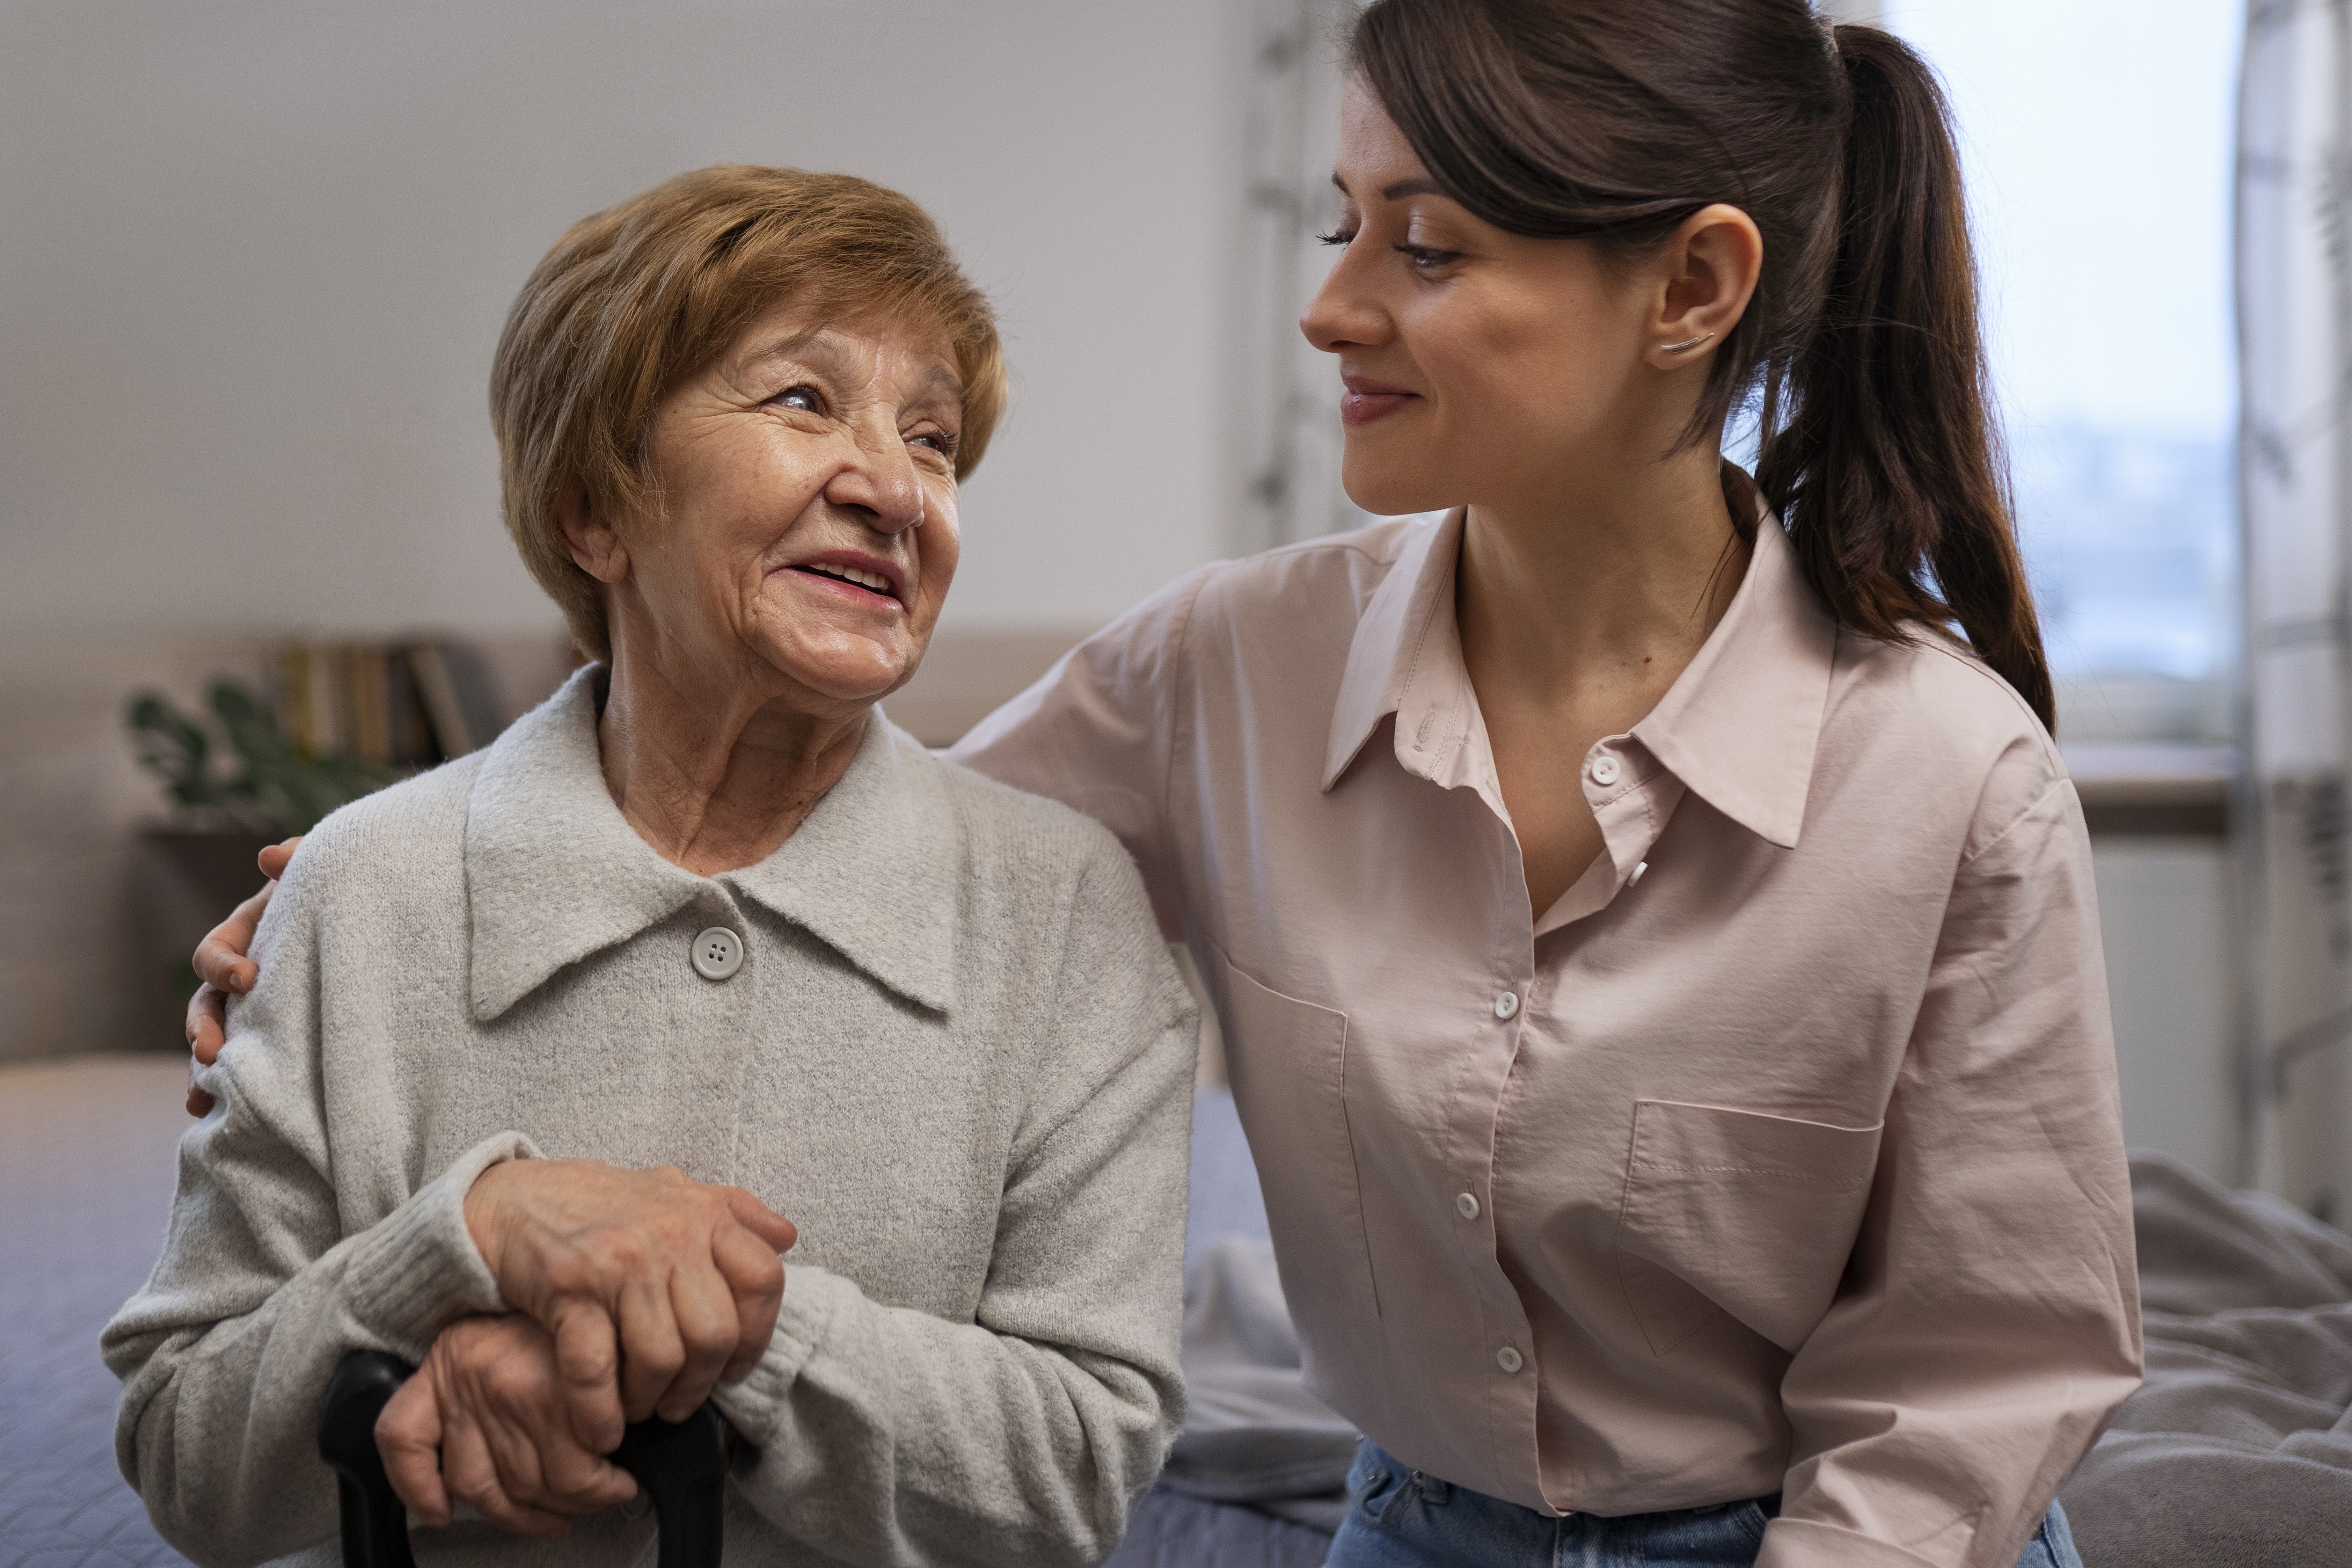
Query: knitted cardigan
point(955, 1054)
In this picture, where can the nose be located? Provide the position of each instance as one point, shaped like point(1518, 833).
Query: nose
point(880, 483)
point(1346, 311)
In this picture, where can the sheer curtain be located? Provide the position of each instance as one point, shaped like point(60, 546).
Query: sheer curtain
point(2294, 312)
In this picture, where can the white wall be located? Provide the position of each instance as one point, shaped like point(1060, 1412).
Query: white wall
point(254, 256)
point(2165, 920)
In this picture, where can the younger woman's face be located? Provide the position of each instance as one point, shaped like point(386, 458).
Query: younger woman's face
point(1481, 367)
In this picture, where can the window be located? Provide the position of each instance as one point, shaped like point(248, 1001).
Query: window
point(2096, 136)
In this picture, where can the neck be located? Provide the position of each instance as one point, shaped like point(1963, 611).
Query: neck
point(714, 773)
point(1609, 581)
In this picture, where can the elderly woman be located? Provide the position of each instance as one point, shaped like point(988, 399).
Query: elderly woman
point(704, 910)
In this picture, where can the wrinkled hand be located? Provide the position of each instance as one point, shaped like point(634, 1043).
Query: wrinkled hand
point(221, 963)
point(484, 1422)
point(655, 1286)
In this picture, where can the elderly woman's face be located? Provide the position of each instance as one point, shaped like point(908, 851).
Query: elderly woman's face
point(807, 506)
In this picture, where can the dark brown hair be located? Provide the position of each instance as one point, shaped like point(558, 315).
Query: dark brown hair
point(1613, 121)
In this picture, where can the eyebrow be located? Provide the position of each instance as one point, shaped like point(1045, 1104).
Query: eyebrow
point(946, 377)
point(1419, 186)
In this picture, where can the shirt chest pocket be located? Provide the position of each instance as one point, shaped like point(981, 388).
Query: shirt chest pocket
point(1288, 1060)
point(1738, 1212)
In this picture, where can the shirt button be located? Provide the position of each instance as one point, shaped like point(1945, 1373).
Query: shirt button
point(1641, 870)
point(1468, 1204)
point(1507, 1004)
point(1604, 770)
point(1508, 1359)
point(718, 953)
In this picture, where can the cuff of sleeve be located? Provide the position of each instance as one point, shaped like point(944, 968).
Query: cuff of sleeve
point(419, 1269)
point(812, 1299)
point(1808, 1543)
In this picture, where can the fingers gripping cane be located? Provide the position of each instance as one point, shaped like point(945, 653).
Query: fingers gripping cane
point(682, 1468)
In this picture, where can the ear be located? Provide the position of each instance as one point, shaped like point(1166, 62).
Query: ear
point(595, 544)
point(1703, 276)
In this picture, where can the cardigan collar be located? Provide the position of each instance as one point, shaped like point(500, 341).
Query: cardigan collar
point(554, 874)
point(1739, 727)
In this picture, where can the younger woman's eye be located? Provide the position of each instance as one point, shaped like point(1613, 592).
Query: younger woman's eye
point(1334, 237)
point(806, 398)
point(1424, 259)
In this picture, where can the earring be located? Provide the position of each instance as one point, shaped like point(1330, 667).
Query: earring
point(1686, 344)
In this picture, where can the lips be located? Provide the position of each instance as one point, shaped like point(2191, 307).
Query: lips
point(1367, 400)
point(866, 577)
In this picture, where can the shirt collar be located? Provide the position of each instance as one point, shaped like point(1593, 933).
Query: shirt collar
point(1398, 634)
point(554, 873)
point(1738, 728)
point(1740, 725)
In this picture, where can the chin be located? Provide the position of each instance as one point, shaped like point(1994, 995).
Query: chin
point(852, 671)
point(1385, 491)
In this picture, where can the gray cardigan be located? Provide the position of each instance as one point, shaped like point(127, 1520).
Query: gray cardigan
point(955, 1054)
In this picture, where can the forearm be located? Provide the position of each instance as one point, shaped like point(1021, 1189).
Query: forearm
point(886, 1435)
point(225, 1354)
point(1990, 1323)
point(1953, 1477)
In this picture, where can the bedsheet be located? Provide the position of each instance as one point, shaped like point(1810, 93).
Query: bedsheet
point(2237, 1452)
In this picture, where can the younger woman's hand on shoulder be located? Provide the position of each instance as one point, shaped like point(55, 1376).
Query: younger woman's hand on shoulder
point(484, 1422)
point(220, 961)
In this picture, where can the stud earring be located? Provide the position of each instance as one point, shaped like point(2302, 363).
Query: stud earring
point(1686, 344)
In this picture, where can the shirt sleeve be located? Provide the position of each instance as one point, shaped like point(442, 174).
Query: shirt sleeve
point(1099, 731)
point(226, 1351)
point(1989, 1320)
point(887, 1436)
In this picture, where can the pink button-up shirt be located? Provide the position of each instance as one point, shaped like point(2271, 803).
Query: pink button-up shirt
point(1781, 1155)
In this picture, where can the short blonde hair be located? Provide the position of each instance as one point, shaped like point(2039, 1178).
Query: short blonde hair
point(633, 299)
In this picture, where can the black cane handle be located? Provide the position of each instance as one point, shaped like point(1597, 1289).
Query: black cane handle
point(681, 1467)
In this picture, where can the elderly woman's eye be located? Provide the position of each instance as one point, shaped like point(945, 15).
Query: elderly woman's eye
point(801, 397)
point(938, 441)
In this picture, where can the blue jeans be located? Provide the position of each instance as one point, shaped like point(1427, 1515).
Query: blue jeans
point(1399, 1517)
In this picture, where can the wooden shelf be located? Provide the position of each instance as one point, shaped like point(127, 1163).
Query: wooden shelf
point(2167, 791)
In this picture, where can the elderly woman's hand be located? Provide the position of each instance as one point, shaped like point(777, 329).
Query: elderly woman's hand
point(484, 1422)
point(670, 1283)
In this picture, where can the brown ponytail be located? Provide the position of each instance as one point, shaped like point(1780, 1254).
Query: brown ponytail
point(1613, 121)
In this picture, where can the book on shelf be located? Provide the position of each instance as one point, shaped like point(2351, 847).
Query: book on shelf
point(403, 703)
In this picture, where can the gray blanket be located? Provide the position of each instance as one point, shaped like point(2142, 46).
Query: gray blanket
point(2238, 1451)
point(1253, 1434)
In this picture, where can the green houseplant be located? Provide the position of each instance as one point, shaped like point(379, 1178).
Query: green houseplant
point(265, 784)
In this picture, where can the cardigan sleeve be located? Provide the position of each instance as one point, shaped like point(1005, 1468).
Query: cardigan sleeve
point(226, 1351)
point(2001, 1198)
point(886, 1435)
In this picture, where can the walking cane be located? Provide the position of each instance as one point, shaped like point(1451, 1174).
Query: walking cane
point(681, 1467)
